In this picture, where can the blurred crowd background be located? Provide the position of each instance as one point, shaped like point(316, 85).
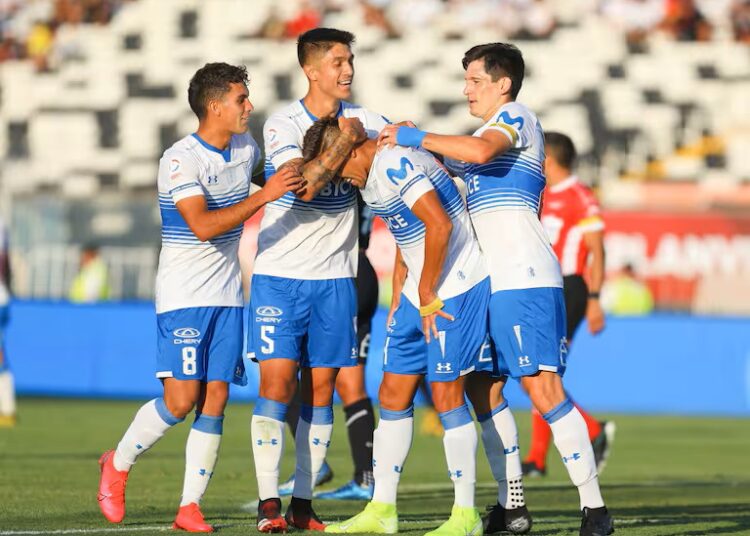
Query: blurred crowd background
point(655, 94)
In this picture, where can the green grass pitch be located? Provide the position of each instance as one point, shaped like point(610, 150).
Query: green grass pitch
point(666, 476)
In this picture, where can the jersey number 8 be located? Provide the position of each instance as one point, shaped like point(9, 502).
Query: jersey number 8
point(189, 366)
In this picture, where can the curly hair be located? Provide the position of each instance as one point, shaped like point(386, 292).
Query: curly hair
point(211, 82)
point(319, 137)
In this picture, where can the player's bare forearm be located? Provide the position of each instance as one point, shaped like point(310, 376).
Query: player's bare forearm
point(207, 224)
point(435, 251)
point(400, 271)
point(595, 243)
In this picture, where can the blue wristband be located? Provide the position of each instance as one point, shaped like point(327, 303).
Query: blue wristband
point(410, 137)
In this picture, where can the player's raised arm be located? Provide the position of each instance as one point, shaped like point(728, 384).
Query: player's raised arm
point(438, 227)
point(207, 224)
point(321, 170)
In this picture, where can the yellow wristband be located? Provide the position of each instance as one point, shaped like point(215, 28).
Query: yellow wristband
point(427, 310)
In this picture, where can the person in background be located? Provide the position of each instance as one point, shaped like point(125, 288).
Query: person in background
point(91, 284)
point(626, 295)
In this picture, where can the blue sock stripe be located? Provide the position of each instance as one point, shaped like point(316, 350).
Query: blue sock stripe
point(165, 414)
point(316, 414)
point(271, 409)
point(559, 411)
point(209, 424)
point(393, 415)
point(455, 417)
point(481, 417)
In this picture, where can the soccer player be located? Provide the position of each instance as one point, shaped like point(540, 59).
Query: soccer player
point(303, 300)
point(570, 215)
point(7, 388)
point(502, 164)
point(437, 324)
point(203, 184)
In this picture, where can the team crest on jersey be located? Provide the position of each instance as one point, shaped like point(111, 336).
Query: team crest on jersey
point(174, 165)
point(400, 173)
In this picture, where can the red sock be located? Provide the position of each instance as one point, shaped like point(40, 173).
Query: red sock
point(591, 423)
point(540, 439)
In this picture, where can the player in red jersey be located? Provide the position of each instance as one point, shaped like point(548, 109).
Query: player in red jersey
point(571, 217)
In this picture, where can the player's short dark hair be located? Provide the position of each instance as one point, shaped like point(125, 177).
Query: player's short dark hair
point(561, 148)
point(500, 59)
point(211, 82)
point(321, 40)
point(319, 137)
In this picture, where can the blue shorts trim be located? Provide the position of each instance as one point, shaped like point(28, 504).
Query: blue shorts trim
point(458, 349)
point(310, 321)
point(201, 343)
point(528, 327)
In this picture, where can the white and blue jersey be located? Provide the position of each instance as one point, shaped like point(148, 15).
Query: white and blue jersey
point(308, 239)
point(398, 178)
point(504, 196)
point(527, 310)
point(198, 284)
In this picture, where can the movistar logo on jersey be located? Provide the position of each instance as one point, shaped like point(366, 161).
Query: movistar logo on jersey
point(400, 173)
point(508, 119)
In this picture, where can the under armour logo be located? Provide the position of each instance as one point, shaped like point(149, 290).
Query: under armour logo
point(573, 457)
point(396, 468)
point(443, 367)
point(458, 474)
point(273, 441)
point(138, 446)
point(524, 361)
point(213, 179)
point(203, 472)
point(401, 172)
point(510, 120)
point(511, 450)
point(317, 441)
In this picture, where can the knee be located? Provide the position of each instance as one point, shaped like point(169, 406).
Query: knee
point(180, 406)
point(390, 397)
point(278, 391)
point(447, 396)
point(350, 387)
point(217, 395)
point(545, 391)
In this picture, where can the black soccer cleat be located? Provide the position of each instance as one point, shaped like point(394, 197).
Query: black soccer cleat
point(531, 469)
point(596, 522)
point(513, 521)
point(602, 444)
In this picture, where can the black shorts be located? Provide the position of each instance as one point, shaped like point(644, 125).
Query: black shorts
point(576, 300)
point(367, 303)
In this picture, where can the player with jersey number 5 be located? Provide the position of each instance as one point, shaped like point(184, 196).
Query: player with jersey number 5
point(204, 184)
point(502, 165)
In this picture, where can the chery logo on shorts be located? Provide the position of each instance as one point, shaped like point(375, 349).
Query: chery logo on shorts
point(186, 336)
point(268, 310)
point(187, 332)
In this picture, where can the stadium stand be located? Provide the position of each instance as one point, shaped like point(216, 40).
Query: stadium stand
point(89, 120)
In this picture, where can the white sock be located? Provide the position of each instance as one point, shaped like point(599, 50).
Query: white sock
point(500, 439)
point(201, 451)
point(312, 440)
point(460, 443)
point(267, 432)
point(7, 394)
point(148, 427)
point(391, 445)
point(572, 441)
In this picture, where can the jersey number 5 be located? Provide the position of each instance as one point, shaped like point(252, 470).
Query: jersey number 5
point(268, 346)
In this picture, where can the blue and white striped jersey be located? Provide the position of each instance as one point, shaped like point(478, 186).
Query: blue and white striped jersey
point(193, 273)
point(504, 197)
point(398, 178)
point(315, 239)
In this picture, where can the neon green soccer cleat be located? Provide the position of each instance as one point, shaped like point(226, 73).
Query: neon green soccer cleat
point(377, 518)
point(464, 521)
